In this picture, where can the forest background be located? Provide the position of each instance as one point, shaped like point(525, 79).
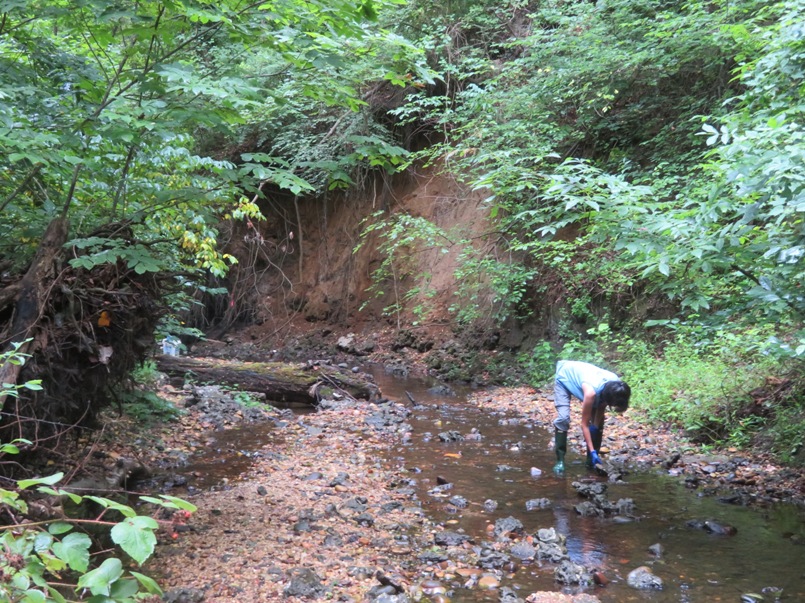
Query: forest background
point(637, 165)
point(629, 177)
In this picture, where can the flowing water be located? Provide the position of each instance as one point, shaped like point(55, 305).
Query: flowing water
point(695, 566)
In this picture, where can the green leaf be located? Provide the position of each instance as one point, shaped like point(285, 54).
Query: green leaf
point(148, 583)
point(170, 502)
point(48, 481)
point(33, 596)
point(125, 510)
point(135, 535)
point(74, 551)
point(123, 589)
point(99, 581)
point(60, 527)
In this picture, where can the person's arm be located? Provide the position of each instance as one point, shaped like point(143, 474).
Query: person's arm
point(587, 414)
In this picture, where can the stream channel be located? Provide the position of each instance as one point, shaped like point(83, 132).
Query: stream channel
point(695, 566)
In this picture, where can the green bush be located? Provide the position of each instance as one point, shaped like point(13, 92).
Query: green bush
point(787, 434)
point(44, 561)
point(700, 380)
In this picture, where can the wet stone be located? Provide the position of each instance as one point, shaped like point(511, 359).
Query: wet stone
point(451, 436)
point(656, 549)
point(488, 582)
point(432, 587)
point(642, 578)
point(549, 536)
point(507, 595)
point(184, 595)
point(572, 573)
point(712, 526)
point(588, 509)
point(458, 501)
point(491, 559)
point(440, 489)
point(590, 490)
point(450, 538)
point(432, 557)
point(507, 525)
point(490, 505)
point(537, 503)
point(551, 551)
point(523, 551)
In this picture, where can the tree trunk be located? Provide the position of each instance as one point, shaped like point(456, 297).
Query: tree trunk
point(282, 383)
point(31, 295)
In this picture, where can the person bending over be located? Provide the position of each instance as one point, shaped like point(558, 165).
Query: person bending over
point(598, 389)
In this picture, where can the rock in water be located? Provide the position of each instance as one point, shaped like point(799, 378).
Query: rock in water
point(571, 573)
point(642, 578)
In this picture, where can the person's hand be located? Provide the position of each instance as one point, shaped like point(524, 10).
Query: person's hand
point(595, 458)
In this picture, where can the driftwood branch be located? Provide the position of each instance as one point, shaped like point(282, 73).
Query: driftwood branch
point(281, 383)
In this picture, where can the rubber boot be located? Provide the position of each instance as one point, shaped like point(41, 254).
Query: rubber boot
point(597, 437)
point(560, 445)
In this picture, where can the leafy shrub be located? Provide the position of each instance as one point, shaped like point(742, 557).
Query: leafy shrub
point(700, 381)
point(787, 434)
point(147, 407)
point(40, 561)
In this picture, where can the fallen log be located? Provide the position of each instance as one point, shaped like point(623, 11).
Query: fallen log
point(283, 384)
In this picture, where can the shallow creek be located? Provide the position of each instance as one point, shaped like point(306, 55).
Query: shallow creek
point(695, 566)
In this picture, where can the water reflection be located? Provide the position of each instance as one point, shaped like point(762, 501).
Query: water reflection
point(696, 565)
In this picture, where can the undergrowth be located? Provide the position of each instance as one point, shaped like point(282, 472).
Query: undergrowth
point(721, 386)
point(141, 402)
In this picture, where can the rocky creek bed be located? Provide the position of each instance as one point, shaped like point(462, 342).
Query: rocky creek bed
point(318, 513)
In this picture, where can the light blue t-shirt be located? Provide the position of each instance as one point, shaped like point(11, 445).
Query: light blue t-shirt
point(572, 374)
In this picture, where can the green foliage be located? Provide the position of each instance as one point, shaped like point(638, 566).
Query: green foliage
point(248, 399)
point(141, 402)
point(41, 560)
point(701, 380)
point(17, 358)
point(101, 120)
point(37, 553)
point(787, 432)
point(489, 289)
point(402, 238)
point(540, 363)
point(147, 407)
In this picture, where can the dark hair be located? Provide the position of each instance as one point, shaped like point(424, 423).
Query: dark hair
point(617, 394)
